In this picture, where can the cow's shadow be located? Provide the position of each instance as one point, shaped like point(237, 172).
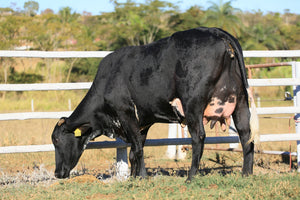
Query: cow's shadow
point(183, 172)
point(177, 172)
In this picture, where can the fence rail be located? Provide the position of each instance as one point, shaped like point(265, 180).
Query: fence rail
point(34, 115)
point(151, 142)
point(45, 86)
point(55, 54)
point(119, 144)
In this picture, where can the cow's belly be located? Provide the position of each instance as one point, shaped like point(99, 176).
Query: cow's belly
point(219, 111)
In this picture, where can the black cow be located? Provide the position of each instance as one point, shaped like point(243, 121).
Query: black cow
point(133, 88)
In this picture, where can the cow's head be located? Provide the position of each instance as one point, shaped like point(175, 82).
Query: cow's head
point(69, 146)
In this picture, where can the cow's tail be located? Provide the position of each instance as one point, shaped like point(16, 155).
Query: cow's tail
point(254, 122)
point(237, 51)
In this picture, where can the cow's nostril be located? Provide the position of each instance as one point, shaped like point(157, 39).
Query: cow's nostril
point(57, 175)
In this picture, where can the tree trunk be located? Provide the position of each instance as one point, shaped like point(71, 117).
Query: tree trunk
point(70, 69)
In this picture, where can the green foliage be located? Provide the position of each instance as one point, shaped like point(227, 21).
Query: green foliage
point(223, 15)
point(187, 20)
point(10, 31)
point(6, 10)
point(84, 70)
point(138, 24)
point(31, 8)
point(16, 77)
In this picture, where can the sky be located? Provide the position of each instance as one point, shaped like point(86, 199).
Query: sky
point(98, 6)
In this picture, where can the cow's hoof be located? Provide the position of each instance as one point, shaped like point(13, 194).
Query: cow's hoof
point(188, 180)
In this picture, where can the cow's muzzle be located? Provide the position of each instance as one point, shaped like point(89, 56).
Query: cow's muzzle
point(62, 174)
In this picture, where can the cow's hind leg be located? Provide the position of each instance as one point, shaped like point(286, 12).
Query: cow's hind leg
point(132, 157)
point(241, 117)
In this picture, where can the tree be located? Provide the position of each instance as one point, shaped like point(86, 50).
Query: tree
point(156, 15)
point(137, 24)
point(223, 16)
point(69, 25)
point(263, 32)
point(187, 20)
point(7, 11)
point(31, 8)
point(66, 16)
point(86, 38)
point(9, 38)
point(10, 31)
point(47, 11)
point(44, 32)
point(262, 38)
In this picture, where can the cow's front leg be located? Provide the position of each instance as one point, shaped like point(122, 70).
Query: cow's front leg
point(197, 132)
point(130, 126)
point(137, 161)
point(132, 157)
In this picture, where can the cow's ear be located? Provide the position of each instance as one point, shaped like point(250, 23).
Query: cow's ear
point(83, 129)
point(61, 121)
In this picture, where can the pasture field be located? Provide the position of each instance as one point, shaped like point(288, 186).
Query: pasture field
point(30, 176)
point(210, 186)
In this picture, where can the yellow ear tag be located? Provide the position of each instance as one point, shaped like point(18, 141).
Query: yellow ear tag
point(77, 132)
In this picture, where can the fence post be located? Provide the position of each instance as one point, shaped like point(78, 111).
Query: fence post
point(32, 105)
point(258, 102)
point(69, 104)
point(296, 74)
point(233, 132)
point(172, 133)
point(181, 133)
point(122, 162)
point(176, 151)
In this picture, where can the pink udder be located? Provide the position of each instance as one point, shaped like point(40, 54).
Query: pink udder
point(215, 111)
point(220, 111)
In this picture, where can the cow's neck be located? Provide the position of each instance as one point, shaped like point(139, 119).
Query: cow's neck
point(83, 114)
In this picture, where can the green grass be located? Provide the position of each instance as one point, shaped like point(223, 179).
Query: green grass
point(211, 186)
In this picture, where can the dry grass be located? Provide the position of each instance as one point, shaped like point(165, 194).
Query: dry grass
point(43, 101)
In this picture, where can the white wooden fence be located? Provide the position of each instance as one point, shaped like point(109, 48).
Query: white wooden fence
point(295, 81)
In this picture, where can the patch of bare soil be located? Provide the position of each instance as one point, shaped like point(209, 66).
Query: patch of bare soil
point(86, 178)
